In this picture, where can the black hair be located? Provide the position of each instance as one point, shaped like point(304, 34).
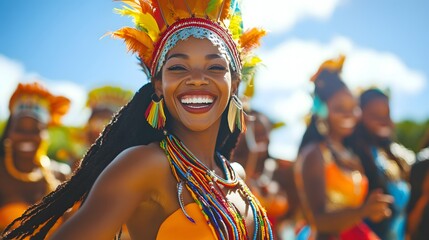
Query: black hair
point(361, 140)
point(127, 128)
point(311, 134)
point(326, 85)
point(417, 176)
point(371, 94)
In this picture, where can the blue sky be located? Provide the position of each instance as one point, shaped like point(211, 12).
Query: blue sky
point(385, 43)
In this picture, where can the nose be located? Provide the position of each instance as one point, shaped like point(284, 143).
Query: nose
point(197, 78)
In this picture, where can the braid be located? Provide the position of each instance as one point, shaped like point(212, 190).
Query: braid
point(226, 141)
point(127, 128)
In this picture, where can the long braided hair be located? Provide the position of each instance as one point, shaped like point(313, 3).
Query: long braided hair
point(128, 128)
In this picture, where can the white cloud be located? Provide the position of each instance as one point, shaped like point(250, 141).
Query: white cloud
point(78, 114)
point(13, 72)
point(276, 15)
point(283, 86)
point(10, 73)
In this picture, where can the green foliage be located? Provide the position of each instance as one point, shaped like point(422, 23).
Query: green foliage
point(2, 126)
point(411, 134)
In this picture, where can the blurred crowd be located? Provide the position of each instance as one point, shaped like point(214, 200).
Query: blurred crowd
point(350, 179)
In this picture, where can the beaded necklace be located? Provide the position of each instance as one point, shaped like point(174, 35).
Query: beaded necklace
point(204, 185)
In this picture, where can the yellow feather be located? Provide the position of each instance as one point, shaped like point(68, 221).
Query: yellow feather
point(235, 26)
point(142, 20)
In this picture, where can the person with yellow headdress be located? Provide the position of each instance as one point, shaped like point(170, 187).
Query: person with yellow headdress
point(162, 164)
point(330, 180)
point(104, 102)
point(26, 172)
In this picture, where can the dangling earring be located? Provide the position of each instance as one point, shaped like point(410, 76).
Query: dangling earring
point(322, 126)
point(236, 114)
point(154, 114)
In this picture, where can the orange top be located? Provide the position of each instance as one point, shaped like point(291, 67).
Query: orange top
point(178, 227)
point(11, 211)
point(344, 188)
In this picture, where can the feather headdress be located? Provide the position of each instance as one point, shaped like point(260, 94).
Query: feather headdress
point(157, 21)
point(332, 65)
point(108, 97)
point(35, 100)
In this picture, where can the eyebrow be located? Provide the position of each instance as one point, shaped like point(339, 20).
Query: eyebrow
point(214, 56)
point(184, 56)
point(178, 55)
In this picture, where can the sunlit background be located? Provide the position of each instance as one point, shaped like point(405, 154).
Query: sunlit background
point(385, 41)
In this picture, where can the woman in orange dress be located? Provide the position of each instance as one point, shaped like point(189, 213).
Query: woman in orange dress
point(161, 165)
point(330, 180)
point(26, 172)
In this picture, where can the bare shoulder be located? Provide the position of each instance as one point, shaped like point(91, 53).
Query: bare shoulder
point(138, 167)
point(311, 153)
point(310, 159)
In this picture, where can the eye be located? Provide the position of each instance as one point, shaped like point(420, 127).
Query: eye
point(176, 68)
point(217, 67)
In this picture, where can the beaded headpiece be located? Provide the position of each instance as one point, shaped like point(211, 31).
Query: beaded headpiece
point(160, 24)
point(32, 99)
point(108, 97)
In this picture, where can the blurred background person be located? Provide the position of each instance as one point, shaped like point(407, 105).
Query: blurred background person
point(418, 206)
point(26, 172)
point(259, 168)
point(385, 162)
point(103, 103)
point(329, 177)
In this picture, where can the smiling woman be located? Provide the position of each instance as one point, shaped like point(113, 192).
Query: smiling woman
point(26, 173)
point(166, 171)
point(330, 180)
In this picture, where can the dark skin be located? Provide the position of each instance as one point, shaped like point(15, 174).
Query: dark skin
point(376, 118)
point(342, 118)
point(96, 123)
point(26, 134)
point(141, 188)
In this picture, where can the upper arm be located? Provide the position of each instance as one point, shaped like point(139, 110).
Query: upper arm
point(114, 196)
point(311, 184)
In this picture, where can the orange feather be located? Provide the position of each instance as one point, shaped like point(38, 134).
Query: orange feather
point(226, 10)
point(198, 7)
point(137, 42)
point(251, 39)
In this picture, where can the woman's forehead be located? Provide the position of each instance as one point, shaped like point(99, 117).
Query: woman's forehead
point(195, 46)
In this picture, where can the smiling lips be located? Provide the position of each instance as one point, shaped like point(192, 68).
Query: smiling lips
point(197, 102)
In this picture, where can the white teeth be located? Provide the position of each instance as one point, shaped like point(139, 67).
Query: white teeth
point(196, 99)
point(26, 147)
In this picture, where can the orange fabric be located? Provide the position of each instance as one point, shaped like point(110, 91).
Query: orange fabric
point(178, 227)
point(10, 212)
point(344, 188)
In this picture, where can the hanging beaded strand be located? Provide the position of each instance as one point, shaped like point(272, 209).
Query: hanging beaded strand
point(204, 185)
